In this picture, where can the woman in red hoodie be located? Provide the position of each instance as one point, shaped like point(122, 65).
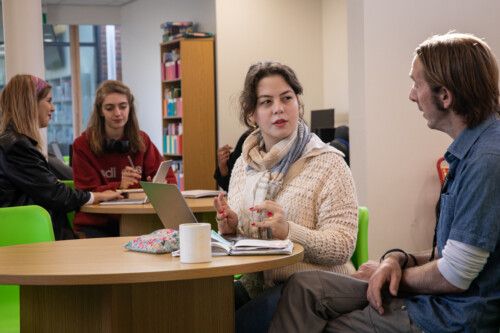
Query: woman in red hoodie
point(113, 153)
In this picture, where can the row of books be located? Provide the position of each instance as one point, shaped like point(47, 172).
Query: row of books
point(171, 55)
point(173, 129)
point(172, 138)
point(172, 107)
point(172, 92)
point(172, 144)
point(172, 102)
point(178, 169)
point(171, 70)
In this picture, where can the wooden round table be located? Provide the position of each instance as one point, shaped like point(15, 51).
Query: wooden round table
point(95, 285)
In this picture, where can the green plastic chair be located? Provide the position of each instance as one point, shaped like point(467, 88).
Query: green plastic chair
point(71, 215)
point(20, 225)
point(360, 255)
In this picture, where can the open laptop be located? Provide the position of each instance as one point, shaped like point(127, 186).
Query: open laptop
point(158, 178)
point(169, 204)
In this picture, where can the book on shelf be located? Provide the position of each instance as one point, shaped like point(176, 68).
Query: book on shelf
point(178, 169)
point(172, 102)
point(172, 144)
point(172, 138)
point(171, 30)
point(170, 65)
point(187, 34)
point(200, 193)
point(169, 24)
point(249, 246)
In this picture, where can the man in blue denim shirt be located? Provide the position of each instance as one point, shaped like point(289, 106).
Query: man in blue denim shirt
point(455, 287)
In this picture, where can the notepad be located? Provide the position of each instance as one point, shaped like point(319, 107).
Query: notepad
point(247, 246)
point(200, 193)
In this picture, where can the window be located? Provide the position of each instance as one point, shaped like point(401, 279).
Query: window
point(57, 53)
point(90, 53)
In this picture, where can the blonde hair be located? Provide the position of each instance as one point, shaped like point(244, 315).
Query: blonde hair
point(19, 107)
point(96, 128)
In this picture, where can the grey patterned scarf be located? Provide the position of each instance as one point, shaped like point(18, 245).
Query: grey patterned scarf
point(266, 171)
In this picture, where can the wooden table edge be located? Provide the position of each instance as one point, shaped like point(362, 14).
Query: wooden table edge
point(145, 277)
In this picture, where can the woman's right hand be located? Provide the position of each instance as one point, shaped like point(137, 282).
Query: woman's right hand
point(227, 220)
point(106, 196)
point(130, 176)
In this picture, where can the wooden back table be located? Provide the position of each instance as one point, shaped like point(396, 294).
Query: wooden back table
point(95, 285)
point(141, 219)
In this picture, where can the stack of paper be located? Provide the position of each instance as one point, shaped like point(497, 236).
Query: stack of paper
point(200, 193)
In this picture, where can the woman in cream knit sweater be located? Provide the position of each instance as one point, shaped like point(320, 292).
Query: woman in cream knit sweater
point(287, 184)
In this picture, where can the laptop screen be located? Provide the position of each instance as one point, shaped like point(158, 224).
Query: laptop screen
point(169, 204)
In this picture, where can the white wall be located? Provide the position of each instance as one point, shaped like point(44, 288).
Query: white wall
point(141, 36)
point(289, 31)
point(335, 60)
point(92, 15)
point(393, 153)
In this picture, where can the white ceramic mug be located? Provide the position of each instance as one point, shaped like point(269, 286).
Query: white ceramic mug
point(195, 242)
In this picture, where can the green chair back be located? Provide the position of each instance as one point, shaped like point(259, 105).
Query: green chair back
point(360, 255)
point(71, 215)
point(20, 225)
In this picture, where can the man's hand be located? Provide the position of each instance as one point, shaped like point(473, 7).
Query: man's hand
point(387, 272)
point(366, 270)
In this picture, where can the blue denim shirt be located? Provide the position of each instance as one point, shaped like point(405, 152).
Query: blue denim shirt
point(470, 213)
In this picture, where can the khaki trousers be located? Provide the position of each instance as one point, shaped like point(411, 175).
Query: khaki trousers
point(318, 301)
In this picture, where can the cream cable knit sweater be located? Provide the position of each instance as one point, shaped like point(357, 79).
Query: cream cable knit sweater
point(321, 207)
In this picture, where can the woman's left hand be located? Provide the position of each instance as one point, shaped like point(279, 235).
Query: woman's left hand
point(275, 219)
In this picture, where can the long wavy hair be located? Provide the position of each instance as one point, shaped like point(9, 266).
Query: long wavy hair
point(96, 130)
point(19, 107)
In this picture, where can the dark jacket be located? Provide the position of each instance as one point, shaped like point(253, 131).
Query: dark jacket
point(25, 179)
point(223, 182)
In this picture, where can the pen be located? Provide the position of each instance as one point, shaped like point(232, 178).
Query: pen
point(130, 161)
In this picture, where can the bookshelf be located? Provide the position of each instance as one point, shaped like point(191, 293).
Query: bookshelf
point(60, 129)
point(188, 110)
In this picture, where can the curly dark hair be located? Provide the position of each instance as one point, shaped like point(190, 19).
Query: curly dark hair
point(258, 71)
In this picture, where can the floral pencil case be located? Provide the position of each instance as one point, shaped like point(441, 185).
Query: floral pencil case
point(159, 241)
